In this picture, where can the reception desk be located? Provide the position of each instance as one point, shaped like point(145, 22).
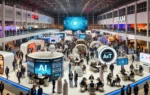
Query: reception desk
point(42, 63)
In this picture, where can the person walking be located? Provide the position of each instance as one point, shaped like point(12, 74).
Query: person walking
point(146, 88)
point(101, 73)
point(111, 69)
point(136, 90)
point(128, 91)
point(71, 79)
point(40, 91)
point(59, 85)
point(18, 76)
point(53, 83)
point(76, 79)
point(65, 88)
point(7, 72)
point(14, 64)
point(1, 87)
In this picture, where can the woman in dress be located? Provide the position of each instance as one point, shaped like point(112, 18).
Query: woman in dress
point(59, 85)
point(65, 88)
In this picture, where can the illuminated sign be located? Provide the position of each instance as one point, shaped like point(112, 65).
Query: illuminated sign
point(107, 55)
point(145, 57)
point(35, 17)
point(120, 19)
point(122, 61)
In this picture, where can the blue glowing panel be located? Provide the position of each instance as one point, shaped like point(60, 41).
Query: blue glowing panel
point(42, 67)
point(75, 23)
point(82, 36)
point(122, 61)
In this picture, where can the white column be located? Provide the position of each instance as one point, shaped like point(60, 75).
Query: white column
point(26, 19)
point(14, 15)
point(22, 17)
point(126, 16)
point(135, 25)
point(118, 22)
point(3, 22)
point(113, 19)
point(148, 18)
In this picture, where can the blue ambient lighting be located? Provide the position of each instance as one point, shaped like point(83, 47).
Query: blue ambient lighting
point(75, 23)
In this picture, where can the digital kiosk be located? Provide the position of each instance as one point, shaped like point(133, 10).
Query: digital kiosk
point(42, 63)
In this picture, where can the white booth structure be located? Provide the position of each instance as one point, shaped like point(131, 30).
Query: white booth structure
point(96, 44)
point(81, 41)
point(68, 32)
point(38, 42)
point(6, 59)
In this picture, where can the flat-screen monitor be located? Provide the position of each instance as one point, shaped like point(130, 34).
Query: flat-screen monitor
point(61, 35)
point(75, 23)
point(82, 36)
point(122, 61)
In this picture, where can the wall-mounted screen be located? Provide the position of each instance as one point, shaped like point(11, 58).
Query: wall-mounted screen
point(122, 61)
point(82, 36)
point(75, 23)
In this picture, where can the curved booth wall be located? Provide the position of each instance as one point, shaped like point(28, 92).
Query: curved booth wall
point(43, 63)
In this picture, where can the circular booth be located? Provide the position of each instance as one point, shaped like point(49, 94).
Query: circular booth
point(81, 47)
point(81, 41)
point(107, 54)
point(46, 63)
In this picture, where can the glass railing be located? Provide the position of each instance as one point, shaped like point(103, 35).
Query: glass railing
point(14, 33)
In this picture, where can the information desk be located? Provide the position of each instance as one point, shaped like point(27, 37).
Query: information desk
point(42, 63)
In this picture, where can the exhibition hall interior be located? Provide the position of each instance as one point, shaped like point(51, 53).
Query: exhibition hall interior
point(74, 47)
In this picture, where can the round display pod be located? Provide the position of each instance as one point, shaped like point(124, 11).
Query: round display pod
point(107, 54)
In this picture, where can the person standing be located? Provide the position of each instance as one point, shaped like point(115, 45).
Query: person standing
point(65, 88)
point(133, 58)
point(76, 79)
point(71, 79)
point(136, 90)
point(146, 88)
point(18, 76)
point(33, 90)
point(70, 65)
point(40, 91)
point(53, 83)
point(111, 69)
point(14, 64)
point(122, 90)
point(59, 85)
point(87, 58)
point(128, 91)
point(101, 71)
point(7, 72)
point(1, 87)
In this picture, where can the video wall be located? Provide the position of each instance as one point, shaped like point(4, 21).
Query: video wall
point(75, 23)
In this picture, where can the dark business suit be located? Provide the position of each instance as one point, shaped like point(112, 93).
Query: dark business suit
point(128, 91)
point(40, 91)
point(33, 91)
point(53, 83)
point(1, 88)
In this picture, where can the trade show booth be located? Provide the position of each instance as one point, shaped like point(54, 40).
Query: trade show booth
point(43, 63)
point(96, 44)
point(6, 59)
point(81, 41)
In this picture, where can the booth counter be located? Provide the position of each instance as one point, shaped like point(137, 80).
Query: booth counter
point(6, 59)
point(42, 63)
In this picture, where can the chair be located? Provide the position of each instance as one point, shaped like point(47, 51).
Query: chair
point(124, 77)
point(92, 90)
point(101, 88)
point(82, 88)
point(140, 73)
point(132, 78)
point(118, 83)
point(46, 82)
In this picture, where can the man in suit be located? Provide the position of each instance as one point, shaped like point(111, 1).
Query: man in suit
point(128, 91)
point(33, 90)
point(1, 87)
point(53, 83)
point(7, 72)
point(76, 79)
point(111, 69)
point(71, 79)
point(122, 90)
point(146, 88)
point(136, 90)
point(40, 91)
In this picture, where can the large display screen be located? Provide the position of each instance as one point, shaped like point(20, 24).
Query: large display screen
point(75, 23)
point(122, 61)
point(82, 36)
point(42, 67)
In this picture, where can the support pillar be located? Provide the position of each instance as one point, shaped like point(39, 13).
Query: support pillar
point(22, 17)
point(3, 23)
point(148, 27)
point(14, 16)
point(135, 25)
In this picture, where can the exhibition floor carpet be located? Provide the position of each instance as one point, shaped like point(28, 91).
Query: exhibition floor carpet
point(76, 91)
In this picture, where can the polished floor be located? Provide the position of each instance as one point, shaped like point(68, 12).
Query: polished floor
point(76, 91)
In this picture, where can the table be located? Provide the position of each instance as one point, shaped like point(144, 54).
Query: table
point(128, 73)
point(41, 80)
point(89, 81)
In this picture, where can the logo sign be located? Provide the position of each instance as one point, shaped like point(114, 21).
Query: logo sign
point(107, 55)
point(145, 58)
point(120, 19)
